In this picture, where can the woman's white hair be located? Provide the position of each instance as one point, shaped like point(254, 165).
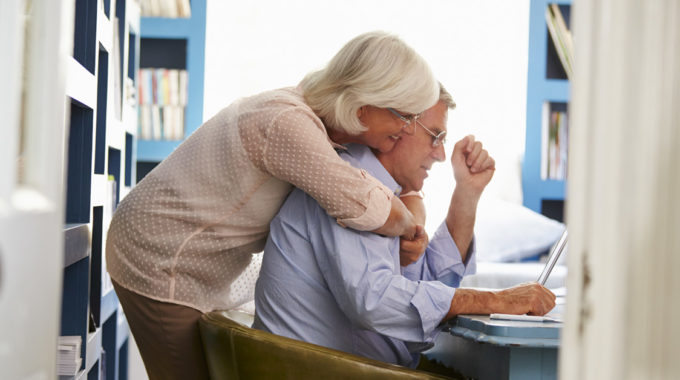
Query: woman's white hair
point(374, 68)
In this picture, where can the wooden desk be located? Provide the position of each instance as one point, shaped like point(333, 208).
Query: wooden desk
point(485, 348)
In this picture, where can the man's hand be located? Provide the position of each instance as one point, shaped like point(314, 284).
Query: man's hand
point(530, 298)
point(411, 250)
point(472, 165)
point(472, 169)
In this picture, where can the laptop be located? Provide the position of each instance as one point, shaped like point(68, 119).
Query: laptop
point(553, 256)
point(555, 253)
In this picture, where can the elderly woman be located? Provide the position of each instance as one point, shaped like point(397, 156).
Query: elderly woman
point(180, 242)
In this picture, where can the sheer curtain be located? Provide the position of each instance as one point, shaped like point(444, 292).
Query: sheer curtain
point(623, 310)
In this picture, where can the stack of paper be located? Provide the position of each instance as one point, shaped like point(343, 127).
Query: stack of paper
point(68, 355)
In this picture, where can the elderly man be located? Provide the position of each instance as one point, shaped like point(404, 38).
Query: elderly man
point(348, 290)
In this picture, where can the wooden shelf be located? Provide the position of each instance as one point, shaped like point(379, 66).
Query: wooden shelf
point(81, 85)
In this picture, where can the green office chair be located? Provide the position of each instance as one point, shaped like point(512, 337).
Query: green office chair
point(236, 351)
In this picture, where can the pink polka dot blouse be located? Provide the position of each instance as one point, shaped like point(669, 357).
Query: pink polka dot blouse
point(187, 232)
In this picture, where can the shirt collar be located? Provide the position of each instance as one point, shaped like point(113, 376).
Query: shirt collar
point(362, 157)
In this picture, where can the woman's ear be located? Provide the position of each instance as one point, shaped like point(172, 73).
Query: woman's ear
point(361, 111)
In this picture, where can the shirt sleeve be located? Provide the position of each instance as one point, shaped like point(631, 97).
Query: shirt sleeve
point(442, 260)
point(298, 151)
point(369, 288)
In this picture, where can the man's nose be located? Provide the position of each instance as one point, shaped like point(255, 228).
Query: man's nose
point(439, 153)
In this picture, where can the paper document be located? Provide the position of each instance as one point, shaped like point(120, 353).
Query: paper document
point(526, 318)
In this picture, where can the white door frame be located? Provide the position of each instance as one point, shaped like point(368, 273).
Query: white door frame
point(36, 38)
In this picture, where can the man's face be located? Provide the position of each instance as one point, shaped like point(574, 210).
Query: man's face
point(411, 158)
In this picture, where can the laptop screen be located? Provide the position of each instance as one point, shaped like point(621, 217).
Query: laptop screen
point(555, 253)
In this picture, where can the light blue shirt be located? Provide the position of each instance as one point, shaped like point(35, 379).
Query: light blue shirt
point(344, 289)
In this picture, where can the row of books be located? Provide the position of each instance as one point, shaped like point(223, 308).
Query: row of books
point(165, 8)
point(69, 360)
point(555, 144)
point(561, 37)
point(162, 101)
point(164, 87)
point(161, 122)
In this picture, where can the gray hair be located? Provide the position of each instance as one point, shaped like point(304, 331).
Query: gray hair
point(374, 68)
point(445, 97)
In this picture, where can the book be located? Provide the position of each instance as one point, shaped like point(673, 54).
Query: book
point(561, 37)
point(555, 142)
point(166, 8)
point(117, 80)
point(156, 123)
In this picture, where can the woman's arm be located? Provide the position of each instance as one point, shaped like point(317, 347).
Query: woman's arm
point(297, 150)
point(401, 222)
point(410, 250)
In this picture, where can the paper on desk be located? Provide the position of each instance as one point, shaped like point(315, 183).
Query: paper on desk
point(527, 318)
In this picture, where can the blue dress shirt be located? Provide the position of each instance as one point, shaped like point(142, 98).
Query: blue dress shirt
point(344, 289)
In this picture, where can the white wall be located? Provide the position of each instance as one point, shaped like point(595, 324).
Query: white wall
point(478, 49)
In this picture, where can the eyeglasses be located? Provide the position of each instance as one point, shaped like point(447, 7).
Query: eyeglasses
point(408, 121)
point(437, 138)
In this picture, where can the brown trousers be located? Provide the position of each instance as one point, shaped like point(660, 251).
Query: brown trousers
point(167, 336)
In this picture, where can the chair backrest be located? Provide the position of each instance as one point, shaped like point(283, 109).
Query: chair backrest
point(236, 351)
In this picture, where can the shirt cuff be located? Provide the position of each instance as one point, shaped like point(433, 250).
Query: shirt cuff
point(444, 258)
point(377, 211)
point(432, 299)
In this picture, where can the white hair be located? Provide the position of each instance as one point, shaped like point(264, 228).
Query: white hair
point(374, 68)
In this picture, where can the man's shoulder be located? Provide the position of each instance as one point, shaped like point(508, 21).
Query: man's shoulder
point(356, 155)
point(298, 207)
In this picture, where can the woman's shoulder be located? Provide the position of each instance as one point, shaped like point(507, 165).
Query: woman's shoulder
point(280, 98)
point(284, 107)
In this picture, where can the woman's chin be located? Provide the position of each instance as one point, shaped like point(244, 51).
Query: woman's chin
point(387, 145)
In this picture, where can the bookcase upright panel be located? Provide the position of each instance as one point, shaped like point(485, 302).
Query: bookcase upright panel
point(100, 171)
point(547, 86)
point(175, 43)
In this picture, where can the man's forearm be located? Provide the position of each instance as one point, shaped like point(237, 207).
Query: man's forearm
point(471, 301)
point(460, 219)
point(529, 298)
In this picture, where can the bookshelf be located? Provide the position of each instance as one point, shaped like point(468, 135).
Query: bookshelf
point(102, 126)
point(547, 90)
point(175, 43)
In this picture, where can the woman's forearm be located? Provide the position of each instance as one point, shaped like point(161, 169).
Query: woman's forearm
point(400, 222)
point(416, 206)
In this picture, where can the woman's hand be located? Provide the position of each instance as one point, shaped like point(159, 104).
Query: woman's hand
point(411, 250)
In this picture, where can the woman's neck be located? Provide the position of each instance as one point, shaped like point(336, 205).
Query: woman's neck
point(341, 137)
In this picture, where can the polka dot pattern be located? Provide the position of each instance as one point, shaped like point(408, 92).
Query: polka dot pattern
point(188, 231)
